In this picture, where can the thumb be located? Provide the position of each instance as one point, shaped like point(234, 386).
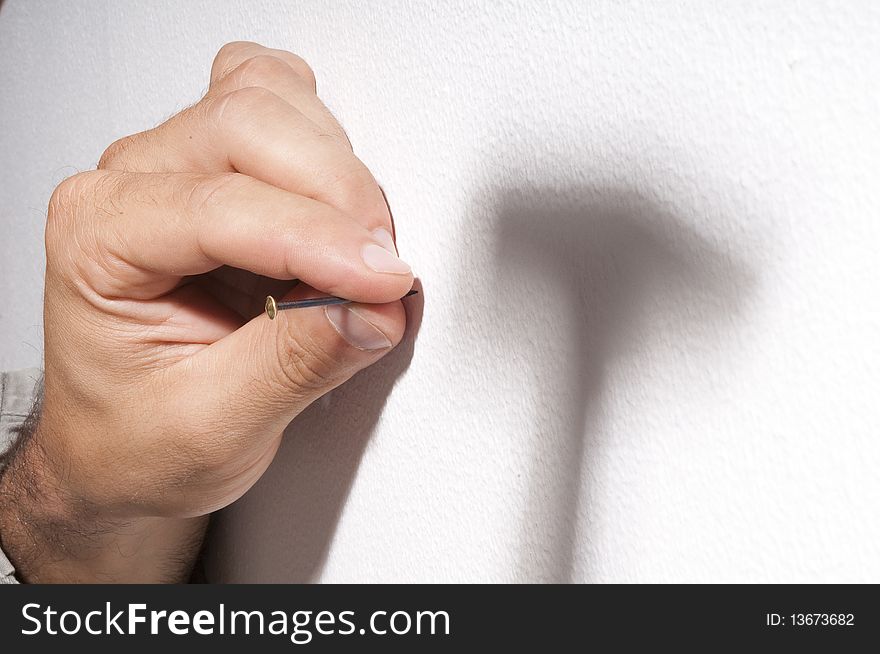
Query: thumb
point(268, 371)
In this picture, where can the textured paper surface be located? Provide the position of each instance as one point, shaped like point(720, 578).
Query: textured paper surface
point(647, 235)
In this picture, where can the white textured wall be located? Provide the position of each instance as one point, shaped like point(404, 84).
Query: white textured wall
point(648, 235)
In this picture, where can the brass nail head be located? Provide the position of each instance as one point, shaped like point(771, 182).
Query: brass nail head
point(271, 307)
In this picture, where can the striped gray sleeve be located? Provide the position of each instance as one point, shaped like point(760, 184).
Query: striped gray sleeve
point(18, 390)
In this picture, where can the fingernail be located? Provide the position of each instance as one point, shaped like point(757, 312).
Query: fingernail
point(381, 260)
point(355, 329)
point(385, 239)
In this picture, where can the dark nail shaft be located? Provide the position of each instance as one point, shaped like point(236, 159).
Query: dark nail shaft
point(272, 307)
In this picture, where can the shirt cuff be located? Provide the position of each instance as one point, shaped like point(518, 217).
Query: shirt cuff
point(7, 571)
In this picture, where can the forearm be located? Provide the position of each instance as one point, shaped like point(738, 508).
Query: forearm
point(52, 535)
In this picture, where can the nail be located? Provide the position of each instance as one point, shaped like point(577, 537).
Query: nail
point(381, 260)
point(385, 239)
point(355, 329)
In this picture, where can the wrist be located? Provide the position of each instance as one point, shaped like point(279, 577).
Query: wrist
point(53, 533)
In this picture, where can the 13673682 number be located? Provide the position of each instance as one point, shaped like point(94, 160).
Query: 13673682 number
point(822, 619)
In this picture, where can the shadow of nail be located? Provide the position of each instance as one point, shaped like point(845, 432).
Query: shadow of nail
point(578, 271)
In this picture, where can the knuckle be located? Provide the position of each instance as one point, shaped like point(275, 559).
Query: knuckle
point(76, 207)
point(228, 53)
point(240, 105)
point(66, 201)
point(353, 185)
point(343, 139)
point(236, 54)
point(261, 70)
point(116, 152)
point(302, 68)
point(305, 365)
point(205, 192)
point(336, 137)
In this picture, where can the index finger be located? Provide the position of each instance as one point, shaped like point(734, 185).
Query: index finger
point(143, 232)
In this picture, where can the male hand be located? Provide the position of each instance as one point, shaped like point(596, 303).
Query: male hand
point(166, 388)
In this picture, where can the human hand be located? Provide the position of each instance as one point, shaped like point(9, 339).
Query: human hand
point(166, 389)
